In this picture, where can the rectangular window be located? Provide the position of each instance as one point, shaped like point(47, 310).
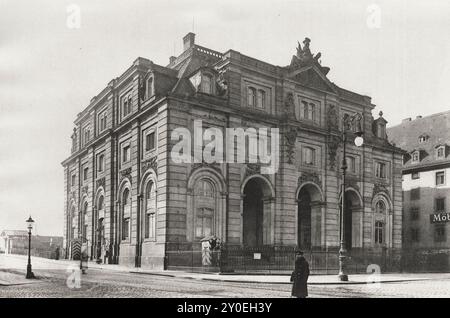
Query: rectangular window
point(86, 135)
point(440, 178)
point(380, 170)
point(305, 110)
point(415, 175)
point(415, 156)
point(415, 235)
point(100, 163)
point(311, 112)
point(351, 164)
point(261, 102)
point(207, 84)
point(150, 141)
point(85, 173)
point(125, 228)
point(73, 180)
point(126, 104)
point(415, 194)
point(381, 131)
point(126, 154)
point(251, 96)
point(309, 156)
point(439, 204)
point(439, 233)
point(414, 214)
point(102, 121)
point(441, 152)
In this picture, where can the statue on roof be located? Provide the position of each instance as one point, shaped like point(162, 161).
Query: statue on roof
point(304, 57)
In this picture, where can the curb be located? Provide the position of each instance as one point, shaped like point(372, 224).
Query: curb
point(272, 282)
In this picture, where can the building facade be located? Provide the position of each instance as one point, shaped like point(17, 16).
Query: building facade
point(426, 188)
point(16, 242)
point(127, 197)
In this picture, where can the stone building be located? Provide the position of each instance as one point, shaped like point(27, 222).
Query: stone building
point(426, 188)
point(126, 194)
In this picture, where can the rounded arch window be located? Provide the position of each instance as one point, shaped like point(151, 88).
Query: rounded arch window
point(101, 203)
point(204, 188)
point(205, 208)
point(380, 207)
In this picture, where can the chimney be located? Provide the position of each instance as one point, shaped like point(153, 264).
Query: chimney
point(406, 120)
point(172, 59)
point(418, 117)
point(188, 40)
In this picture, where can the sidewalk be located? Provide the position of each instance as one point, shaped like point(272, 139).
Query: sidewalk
point(17, 263)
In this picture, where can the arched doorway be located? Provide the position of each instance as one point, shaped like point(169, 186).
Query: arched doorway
point(309, 209)
point(352, 205)
point(256, 217)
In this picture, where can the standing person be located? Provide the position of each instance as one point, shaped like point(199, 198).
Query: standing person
point(300, 275)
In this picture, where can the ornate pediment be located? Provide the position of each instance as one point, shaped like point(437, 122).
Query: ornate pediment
point(310, 77)
point(306, 69)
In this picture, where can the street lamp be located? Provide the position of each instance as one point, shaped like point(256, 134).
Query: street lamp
point(30, 223)
point(349, 123)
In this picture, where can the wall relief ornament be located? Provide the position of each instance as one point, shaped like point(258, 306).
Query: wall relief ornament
point(351, 183)
point(379, 188)
point(251, 169)
point(199, 165)
point(307, 176)
point(289, 104)
point(100, 183)
point(333, 145)
point(126, 173)
point(291, 137)
point(332, 118)
point(151, 163)
point(84, 189)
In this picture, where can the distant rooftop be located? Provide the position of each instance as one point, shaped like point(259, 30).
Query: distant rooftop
point(435, 128)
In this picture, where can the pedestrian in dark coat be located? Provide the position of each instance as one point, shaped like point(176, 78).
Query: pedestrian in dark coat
point(299, 276)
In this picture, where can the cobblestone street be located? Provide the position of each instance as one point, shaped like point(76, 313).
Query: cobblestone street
point(54, 281)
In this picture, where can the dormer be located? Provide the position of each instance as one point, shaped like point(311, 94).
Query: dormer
point(379, 126)
point(441, 151)
point(204, 80)
point(423, 138)
point(417, 155)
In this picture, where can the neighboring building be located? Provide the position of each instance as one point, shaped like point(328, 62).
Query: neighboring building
point(16, 242)
point(126, 195)
point(426, 184)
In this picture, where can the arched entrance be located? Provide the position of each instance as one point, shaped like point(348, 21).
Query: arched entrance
point(309, 209)
point(351, 230)
point(256, 216)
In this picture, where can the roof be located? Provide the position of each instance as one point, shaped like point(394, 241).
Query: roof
point(14, 233)
point(406, 136)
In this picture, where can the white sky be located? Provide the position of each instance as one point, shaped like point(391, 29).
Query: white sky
point(49, 72)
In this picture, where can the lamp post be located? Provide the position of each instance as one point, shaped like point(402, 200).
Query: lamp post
point(30, 223)
point(349, 123)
